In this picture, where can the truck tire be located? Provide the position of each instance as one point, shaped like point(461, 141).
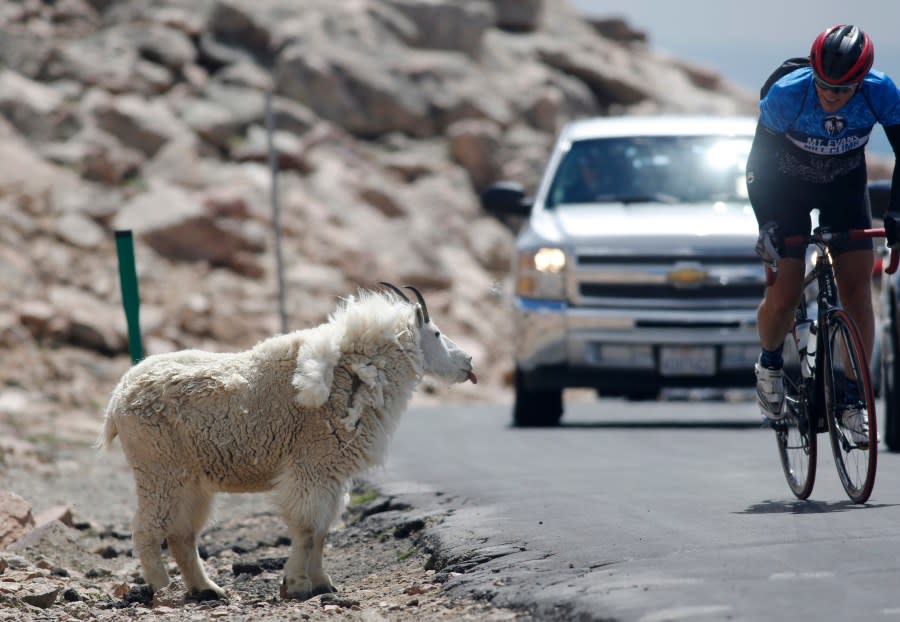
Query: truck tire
point(536, 408)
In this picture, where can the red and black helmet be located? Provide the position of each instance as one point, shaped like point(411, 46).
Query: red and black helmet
point(842, 54)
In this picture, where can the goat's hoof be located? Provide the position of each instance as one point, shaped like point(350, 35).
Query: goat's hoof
point(197, 596)
point(305, 594)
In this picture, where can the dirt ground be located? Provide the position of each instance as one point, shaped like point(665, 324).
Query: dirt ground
point(80, 567)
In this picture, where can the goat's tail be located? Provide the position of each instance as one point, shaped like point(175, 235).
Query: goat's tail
point(110, 431)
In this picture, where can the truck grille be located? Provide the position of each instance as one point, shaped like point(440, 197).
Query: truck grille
point(707, 281)
point(737, 290)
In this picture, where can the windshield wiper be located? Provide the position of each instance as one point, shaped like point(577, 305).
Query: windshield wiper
point(651, 197)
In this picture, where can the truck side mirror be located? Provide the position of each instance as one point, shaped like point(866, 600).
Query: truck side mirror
point(506, 198)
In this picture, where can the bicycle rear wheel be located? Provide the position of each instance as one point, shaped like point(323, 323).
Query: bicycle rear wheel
point(795, 434)
point(845, 362)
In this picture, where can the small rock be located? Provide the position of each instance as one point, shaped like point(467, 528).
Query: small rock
point(15, 562)
point(417, 589)
point(40, 595)
point(79, 230)
point(408, 528)
point(61, 513)
point(71, 596)
point(141, 594)
point(331, 599)
point(108, 552)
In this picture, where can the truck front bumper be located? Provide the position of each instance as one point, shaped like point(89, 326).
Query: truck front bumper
point(625, 350)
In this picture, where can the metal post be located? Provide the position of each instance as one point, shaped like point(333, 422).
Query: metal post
point(130, 298)
point(276, 211)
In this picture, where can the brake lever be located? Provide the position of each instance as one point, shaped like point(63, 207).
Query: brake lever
point(894, 261)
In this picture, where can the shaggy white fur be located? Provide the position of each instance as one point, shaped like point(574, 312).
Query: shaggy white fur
point(298, 414)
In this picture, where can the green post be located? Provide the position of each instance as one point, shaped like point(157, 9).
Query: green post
point(130, 299)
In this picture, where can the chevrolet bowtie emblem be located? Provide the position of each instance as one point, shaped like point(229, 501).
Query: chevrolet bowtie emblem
point(687, 276)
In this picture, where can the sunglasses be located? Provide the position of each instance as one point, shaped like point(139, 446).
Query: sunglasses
point(835, 88)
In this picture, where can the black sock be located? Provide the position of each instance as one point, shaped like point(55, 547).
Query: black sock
point(772, 359)
point(852, 394)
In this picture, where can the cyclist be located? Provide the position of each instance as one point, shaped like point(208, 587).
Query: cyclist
point(808, 152)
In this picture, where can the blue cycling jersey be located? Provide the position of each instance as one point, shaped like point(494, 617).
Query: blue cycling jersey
point(792, 108)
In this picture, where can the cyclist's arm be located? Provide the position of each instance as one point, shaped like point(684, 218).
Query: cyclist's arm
point(893, 136)
point(761, 171)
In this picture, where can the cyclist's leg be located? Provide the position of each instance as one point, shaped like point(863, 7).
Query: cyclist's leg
point(845, 206)
point(779, 198)
point(775, 314)
point(853, 272)
point(848, 208)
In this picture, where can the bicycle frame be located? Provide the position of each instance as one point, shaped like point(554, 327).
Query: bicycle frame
point(822, 274)
point(827, 300)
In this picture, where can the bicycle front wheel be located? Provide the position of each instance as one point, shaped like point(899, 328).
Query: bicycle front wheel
point(795, 433)
point(850, 406)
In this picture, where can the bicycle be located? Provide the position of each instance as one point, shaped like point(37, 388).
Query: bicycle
point(824, 356)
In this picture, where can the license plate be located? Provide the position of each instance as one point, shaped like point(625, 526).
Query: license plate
point(687, 361)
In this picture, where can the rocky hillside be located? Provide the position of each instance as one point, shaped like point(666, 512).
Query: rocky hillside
point(390, 116)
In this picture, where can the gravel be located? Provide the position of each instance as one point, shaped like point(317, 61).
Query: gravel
point(383, 558)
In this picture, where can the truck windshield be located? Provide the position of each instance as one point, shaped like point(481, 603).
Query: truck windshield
point(661, 169)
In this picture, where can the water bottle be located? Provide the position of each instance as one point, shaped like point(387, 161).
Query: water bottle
point(805, 338)
point(810, 354)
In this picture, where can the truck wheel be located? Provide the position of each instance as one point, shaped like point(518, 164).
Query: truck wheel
point(536, 408)
point(891, 387)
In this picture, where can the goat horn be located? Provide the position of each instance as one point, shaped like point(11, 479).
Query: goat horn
point(421, 301)
point(396, 290)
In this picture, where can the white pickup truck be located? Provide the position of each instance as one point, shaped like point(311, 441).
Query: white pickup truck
point(635, 270)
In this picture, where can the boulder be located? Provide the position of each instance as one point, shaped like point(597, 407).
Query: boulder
point(145, 125)
point(15, 518)
point(37, 111)
point(176, 225)
point(85, 321)
point(458, 26)
point(518, 15)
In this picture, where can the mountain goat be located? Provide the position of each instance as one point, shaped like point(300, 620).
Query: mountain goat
point(298, 414)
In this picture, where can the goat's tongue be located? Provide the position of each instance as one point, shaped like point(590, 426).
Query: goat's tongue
point(473, 377)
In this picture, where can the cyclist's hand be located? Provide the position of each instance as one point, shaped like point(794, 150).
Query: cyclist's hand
point(892, 228)
point(770, 245)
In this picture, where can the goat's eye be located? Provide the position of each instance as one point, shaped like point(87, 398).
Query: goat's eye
point(437, 333)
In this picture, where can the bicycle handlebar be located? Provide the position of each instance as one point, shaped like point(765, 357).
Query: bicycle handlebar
point(828, 237)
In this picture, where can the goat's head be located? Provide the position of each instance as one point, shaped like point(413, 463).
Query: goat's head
point(442, 357)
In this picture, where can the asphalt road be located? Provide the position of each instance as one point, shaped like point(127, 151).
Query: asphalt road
point(650, 512)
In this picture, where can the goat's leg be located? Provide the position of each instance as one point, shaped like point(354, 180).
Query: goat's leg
point(308, 517)
point(192, 514)
point(303, 573)
point(148, 546)
point(149, 531)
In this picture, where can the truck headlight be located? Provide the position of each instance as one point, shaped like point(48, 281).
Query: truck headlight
point(541, 273)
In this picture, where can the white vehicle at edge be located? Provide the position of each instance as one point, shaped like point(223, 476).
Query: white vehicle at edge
point(635, 270)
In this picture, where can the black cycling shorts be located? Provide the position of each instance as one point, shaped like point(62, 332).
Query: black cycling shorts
point(843, 204)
